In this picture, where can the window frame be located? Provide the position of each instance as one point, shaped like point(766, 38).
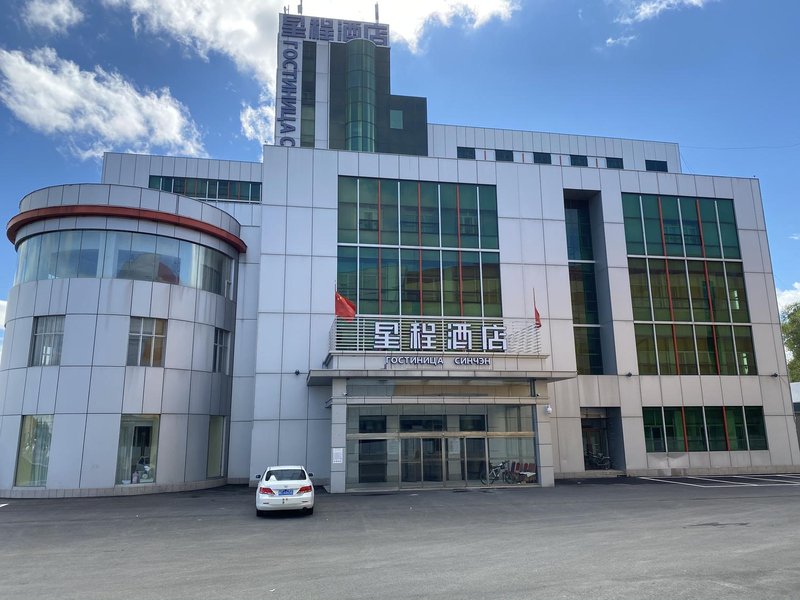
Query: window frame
point(157, 340)
point(53, 331)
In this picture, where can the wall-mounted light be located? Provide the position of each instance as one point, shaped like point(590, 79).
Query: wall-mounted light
point(297, 371)
point(628, 374)
point(774, 374)
point(548, 409)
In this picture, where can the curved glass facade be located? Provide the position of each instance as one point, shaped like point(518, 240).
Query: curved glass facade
point(360, 120)
point(124, 255)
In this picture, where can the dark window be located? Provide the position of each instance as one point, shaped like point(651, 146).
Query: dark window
point(371, 424)
point(578, 160)
point(588, 351)
point(614, 163)
point(395, 119)
point(653, 430)
point(656, 165)
point(504, 155)
point(421, 423)
point(579, 230)
point(542, 158)
point(646, 349)
point(584, 293)
point(463, 152)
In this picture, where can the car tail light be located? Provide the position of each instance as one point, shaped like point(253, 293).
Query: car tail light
point(266, 490)
point(305, 489)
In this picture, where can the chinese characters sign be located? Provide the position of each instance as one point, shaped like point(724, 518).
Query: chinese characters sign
point(332, 30)
point(294, 30)
point(453, 337)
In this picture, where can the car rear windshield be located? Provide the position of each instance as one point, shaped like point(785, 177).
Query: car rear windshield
point(285, 474)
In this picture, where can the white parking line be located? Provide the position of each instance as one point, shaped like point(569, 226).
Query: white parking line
point(684, 483)
point(761, 478)
point(734, 483)
point(2, 505)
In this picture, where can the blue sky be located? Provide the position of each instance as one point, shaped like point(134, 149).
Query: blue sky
point(195, 77)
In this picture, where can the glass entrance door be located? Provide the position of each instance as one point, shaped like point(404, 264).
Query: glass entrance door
point(432, 461)
point(421, 462)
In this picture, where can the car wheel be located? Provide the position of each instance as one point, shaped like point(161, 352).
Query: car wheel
point(309, 511)
point(261, 513)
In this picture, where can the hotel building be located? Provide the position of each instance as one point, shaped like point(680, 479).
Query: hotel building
point(567, 305)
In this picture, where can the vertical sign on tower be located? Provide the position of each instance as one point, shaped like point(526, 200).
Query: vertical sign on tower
point(293, 30)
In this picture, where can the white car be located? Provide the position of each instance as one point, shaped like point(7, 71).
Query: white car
point(285, 488)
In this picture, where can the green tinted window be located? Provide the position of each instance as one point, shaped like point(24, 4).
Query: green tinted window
point(410, 280)
point(756, 432)
point(588, 352)
point(646, 349)
point(449, 215)
point(348, 210)
point(716, 428)
point(368, 211)
point(706, 349)
point(389, 298)
point(492, 302)
point(665, 344)
point(633, 223)
point(409, 213)
point(745, 353)
point(653, 429)
point(347, 273)
point(579, 231)
point(708, 217)
point(468, 215)
point(687, 359)
point(679, 290)
point(727, 229)
point(737, 297)
point(640, 290)
point(584, 293)
point(429, 213)
point(368, 281)
point(699, 290)
point(388, 193)
point(734, 418)
point(719, 293)
point(471, 284)
point(691, 227)
point(660, 290)
point(488, 208)
point(672, 226)
point(451, 290)
point(673, 426)
point(726, 354)
point(652, 225)
point(695, 429)
point(431, 283)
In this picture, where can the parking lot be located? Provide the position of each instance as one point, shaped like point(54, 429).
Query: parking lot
point(728, 481)
point(604, 539)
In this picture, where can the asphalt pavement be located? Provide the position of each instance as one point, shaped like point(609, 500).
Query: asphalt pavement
point(620, 539)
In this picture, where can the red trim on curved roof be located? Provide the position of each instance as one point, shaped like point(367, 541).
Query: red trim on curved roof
point(92, 210)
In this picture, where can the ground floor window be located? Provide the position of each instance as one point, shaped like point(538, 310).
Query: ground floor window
point(216, 437)
point(396, 446)
point(138, 444)
point(703, 429)
point(34, 450)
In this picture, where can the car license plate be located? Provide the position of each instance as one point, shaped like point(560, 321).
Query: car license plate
point(285, 492)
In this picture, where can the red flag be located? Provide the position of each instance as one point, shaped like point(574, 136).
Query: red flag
point(344, 308)
point(536, 317)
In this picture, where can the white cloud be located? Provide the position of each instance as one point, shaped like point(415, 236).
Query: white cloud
point(623, 40)
point(257, 122)
point(637, 11)
point(95, 110)
point(795, 236)
point(245, 31)
point(790, 296)
point(54, 15)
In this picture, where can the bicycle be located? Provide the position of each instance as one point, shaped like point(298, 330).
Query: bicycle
point(498, 471)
